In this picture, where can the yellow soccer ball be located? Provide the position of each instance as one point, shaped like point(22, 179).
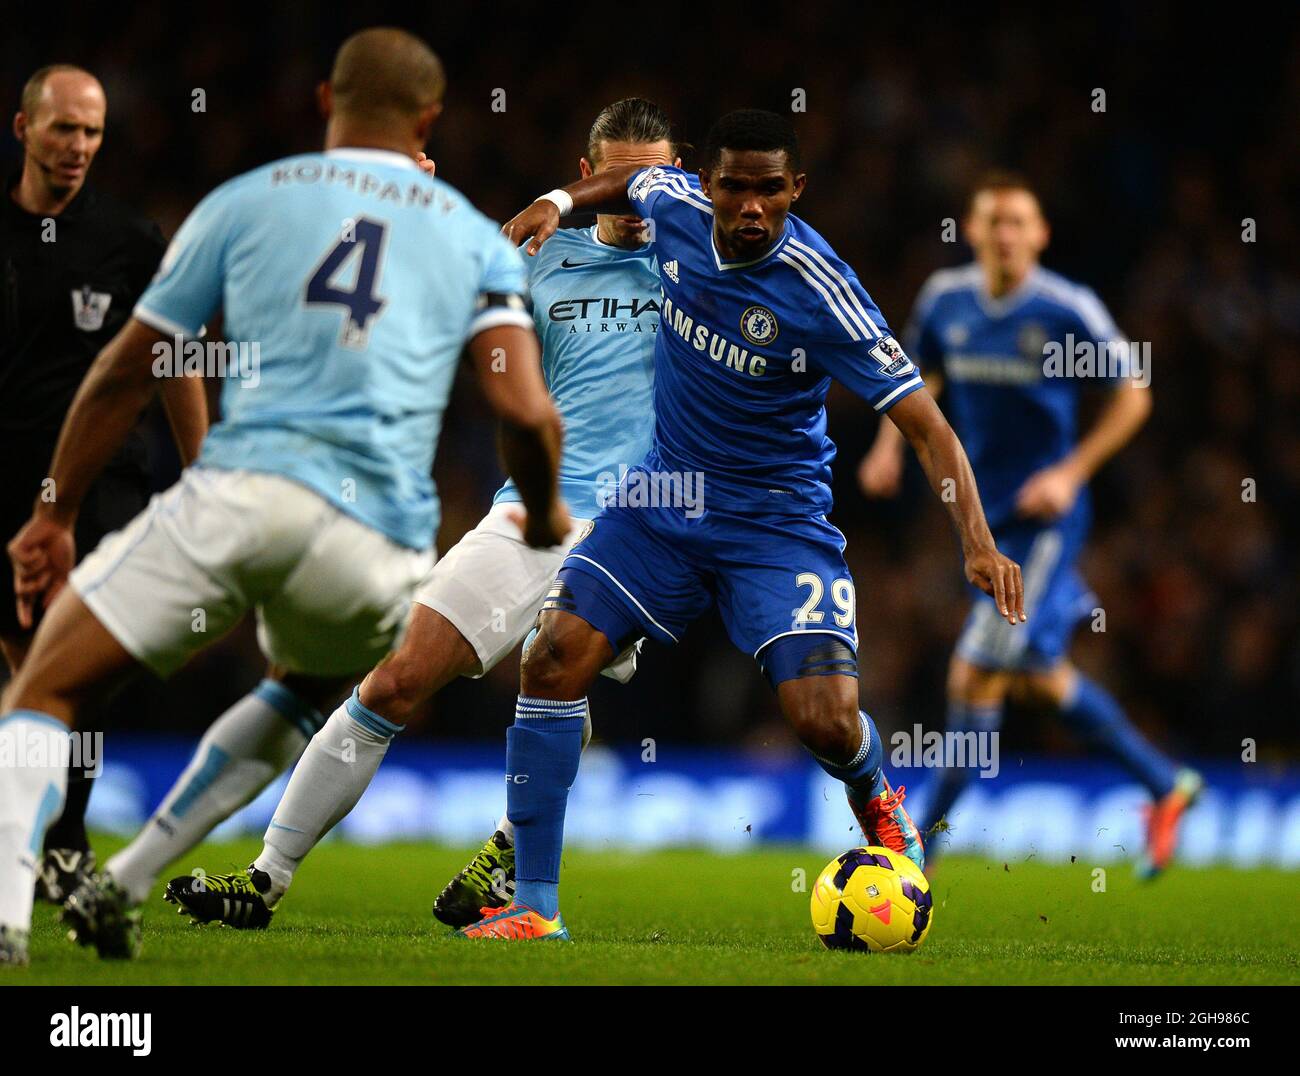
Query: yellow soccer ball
point(874, 899)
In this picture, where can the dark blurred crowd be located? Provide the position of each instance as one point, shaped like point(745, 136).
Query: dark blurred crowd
point(1152, 187)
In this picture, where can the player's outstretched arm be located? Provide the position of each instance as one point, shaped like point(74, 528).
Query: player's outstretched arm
point(107, 405)
point(944, 460)
point(508, 362)
point(605, 192)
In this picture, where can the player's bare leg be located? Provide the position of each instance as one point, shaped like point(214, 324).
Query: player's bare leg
point(431, 656)
point(72, 658)
point(542, 752)
point(824, 713)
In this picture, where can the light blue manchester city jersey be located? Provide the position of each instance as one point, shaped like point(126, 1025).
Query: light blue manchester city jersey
point(358, 279)
point(596, 308)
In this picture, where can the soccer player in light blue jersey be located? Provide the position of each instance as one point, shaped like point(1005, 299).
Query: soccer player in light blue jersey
point(759, 315)
point(595, 296)
point(361, 281)
point(1015, 347)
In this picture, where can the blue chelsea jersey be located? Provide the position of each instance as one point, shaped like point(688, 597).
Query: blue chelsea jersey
point(1015, 409)
point(747, 351)
point(350, 282)
point(596, 309)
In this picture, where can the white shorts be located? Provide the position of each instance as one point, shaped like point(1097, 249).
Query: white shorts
point(491, 585)
point(331, 594)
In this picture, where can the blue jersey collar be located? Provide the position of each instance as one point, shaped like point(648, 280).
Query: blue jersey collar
point(1001, 307)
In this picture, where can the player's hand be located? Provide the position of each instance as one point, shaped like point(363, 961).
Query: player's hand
point(43, 554)
point(539, 220)
point(542, 532)
point(999, 578)
point(1048, 494)
point(881, 472)
point(426, 164)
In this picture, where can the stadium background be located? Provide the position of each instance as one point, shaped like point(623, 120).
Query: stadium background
point(904, 107)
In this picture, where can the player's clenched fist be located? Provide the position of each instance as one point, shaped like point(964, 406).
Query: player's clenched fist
point(43, 554)
point(542, 532)
point(539, 220)
point(1048, 494)
point(881, 472)
point(999, 578)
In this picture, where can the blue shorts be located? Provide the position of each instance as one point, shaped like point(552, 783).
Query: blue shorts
point(1056, 599)
point(652, 571)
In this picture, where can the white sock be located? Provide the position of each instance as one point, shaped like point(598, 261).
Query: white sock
point(33, 780)
point(330, 777)
point(507, 828)
point(243, 751)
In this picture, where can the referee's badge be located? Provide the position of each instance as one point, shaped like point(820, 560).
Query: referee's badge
point(758, 324)
point(89, 308)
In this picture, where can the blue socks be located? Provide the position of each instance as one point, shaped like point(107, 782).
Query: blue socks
point(1095, 716)
point(951, 781)
point(1090, 712)
point(542, 752)
point(862, 774)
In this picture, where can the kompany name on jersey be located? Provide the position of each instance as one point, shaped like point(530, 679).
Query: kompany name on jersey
point(366, 183)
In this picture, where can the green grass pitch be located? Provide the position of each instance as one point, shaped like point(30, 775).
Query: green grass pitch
point(361, 915)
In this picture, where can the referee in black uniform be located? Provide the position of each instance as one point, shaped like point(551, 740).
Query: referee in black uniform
point(73, 262)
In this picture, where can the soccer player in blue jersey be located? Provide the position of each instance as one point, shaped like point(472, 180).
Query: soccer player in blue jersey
point(997, 337)
point(362, 281)
point(759, 315)
point(595, 296)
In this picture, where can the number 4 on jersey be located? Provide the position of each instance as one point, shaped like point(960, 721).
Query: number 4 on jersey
point(362, 242)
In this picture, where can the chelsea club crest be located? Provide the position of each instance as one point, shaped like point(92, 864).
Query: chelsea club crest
point(758, 324)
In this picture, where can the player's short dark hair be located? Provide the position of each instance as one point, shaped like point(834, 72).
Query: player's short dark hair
point(385, 72)
point(35, 85)
point(1001, 179)
point(753, 129)
point(633, 119)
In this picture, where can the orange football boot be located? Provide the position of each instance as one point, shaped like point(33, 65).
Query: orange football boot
point(884, 821)
point(1162, 822)
point(516, 923)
